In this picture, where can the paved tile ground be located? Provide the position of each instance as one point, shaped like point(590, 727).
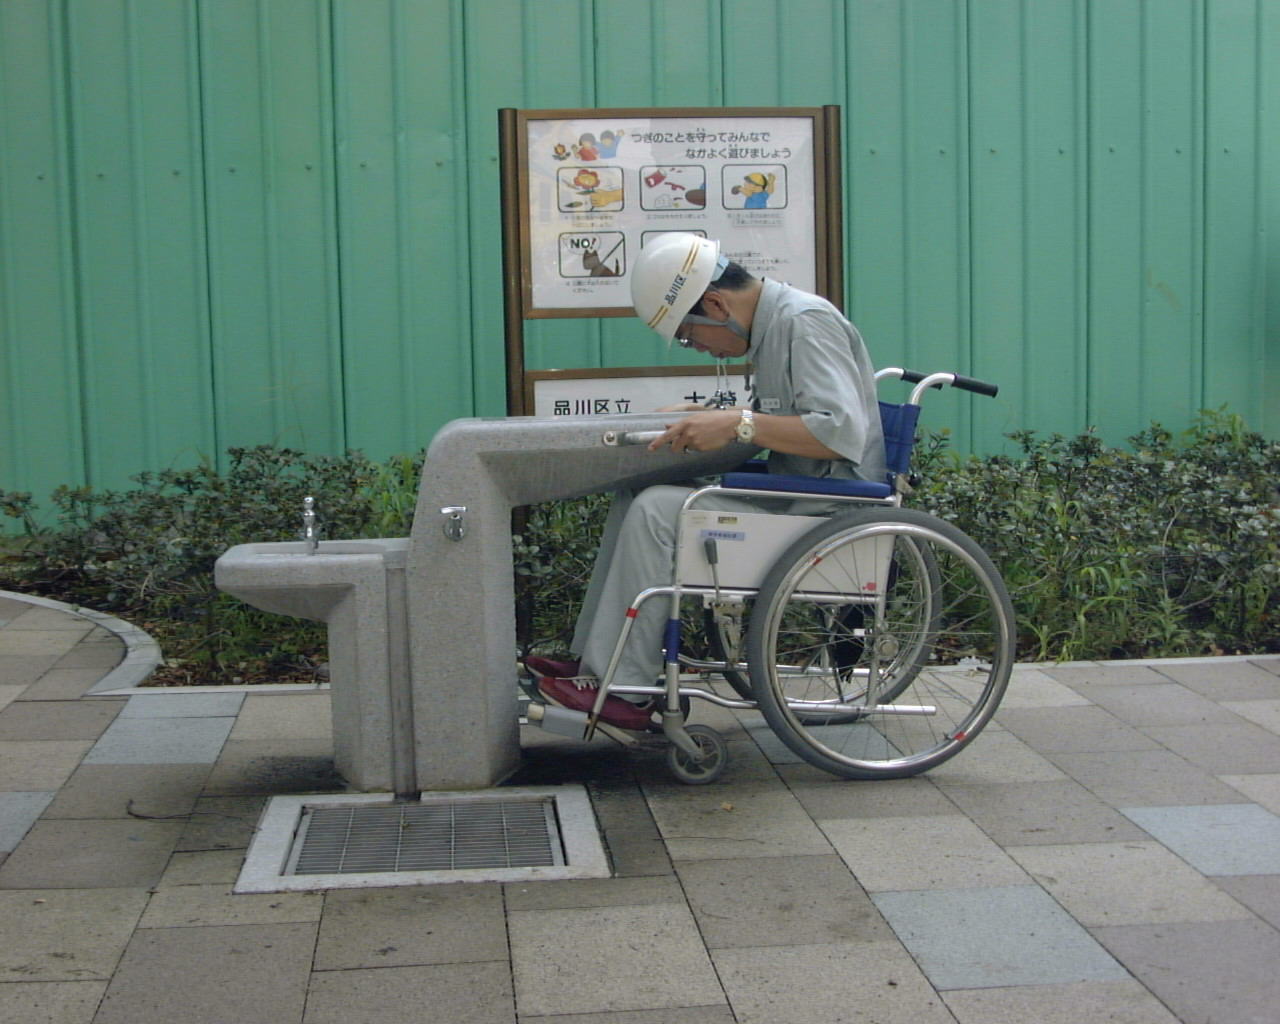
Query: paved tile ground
point(1109, 850)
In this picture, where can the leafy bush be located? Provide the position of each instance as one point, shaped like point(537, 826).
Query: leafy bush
point(1168, 547)
point(147, 554)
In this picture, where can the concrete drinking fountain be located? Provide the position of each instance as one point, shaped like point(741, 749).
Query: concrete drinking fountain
point(422, 645)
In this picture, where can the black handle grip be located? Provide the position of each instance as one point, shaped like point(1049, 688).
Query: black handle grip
point(980, 387)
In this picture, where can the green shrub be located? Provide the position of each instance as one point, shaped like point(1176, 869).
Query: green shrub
point(1170, 547)
point(1167, 547)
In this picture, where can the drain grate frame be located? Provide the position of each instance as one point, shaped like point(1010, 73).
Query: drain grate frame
point(305, 843)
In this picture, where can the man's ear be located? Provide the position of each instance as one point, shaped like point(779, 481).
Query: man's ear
point(713, 304)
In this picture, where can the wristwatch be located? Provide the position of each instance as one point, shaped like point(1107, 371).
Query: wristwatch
point(746, 429)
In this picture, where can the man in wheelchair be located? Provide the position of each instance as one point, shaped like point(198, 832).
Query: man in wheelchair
point(813, 406)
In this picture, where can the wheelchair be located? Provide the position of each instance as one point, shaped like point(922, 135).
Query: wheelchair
point(876, 640)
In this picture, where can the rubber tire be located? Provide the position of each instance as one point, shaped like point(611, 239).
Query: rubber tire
point(699, 773)
point(969, 588)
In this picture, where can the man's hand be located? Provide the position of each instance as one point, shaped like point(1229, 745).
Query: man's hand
point(701, 432)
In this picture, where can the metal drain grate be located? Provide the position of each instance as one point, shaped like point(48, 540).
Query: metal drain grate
point(452, 836)
point(503, 834)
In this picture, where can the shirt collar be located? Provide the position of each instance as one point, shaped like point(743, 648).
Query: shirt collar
point(766, 312)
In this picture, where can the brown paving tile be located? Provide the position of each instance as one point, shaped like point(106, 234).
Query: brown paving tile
point(1034, 813)
point(128, 790)
point(443, 924)
point(1145, 778)
point(478, 993)
point(1073, 729)
point(91, 855)
point(1222, 749)
point(57, 720)
point(1208, 971)
point(246, 974)
point(65, 684)
point(51, 1002)
point(39, 766)
point(24, 669)
point(825, 796)
point(1159, 704)
point(1104, 675)
point(1234, 680)
point(65, 935)
point(592, 892)
point(792, 900)
point(103, 655)
point(274, 768)
point(1260, 893)
point(222, 823)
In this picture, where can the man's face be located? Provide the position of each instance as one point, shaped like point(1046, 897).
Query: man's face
point(705, 332)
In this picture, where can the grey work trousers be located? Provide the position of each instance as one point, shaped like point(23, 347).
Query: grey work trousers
point(637, 551)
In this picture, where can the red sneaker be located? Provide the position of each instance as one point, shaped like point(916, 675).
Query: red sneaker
point(540, 667)
point(579, 694)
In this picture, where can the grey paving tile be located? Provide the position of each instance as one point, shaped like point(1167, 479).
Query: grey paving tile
point(1133, 778)
point(996, 937)
point(64, 684)
point(825, 796)
point(90, 855)
point(443, 924)
point(221, 823)
point(8, 694)
point(39, 765)
point(637, 856)
point(57, 720)
point(129, 790)
point(605, 944)
point(1222, 749)
point(1262, 789)
point(285, 716)
point(1035, 688)
point(1216, 839)
point(592, 892)
point(1265, 713)
point(103, 655)
point(184, 705)
point(40, 617)
point(1097, 674)
point(195, 905)
point(41, 643)
point(18, 812)
point(173, 741)
point(792, 900)
point(51, 1002)
point(714, 822)
point(274, 767)
point(1126, 883)
point(203, 867)
point(1159, 704)
point(719, 1014)
point(10, 609)
point(1234, 680)
point(249, 974)
point(1116, 1002)
point(1073, 730)
point(1271, 664)
point(994, 757)
point(1220, 972)
point(1014, 814)
point(1260, 893)
point(828, 984)
point(931, 852)
point(460, 994)
point(24, 669)
point(65, 935)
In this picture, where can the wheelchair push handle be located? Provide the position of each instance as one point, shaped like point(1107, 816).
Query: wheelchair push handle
point(937, 380)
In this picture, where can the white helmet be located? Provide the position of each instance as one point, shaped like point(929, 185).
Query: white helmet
point(670, 276)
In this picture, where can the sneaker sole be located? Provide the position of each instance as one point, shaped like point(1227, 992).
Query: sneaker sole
point(616, 732)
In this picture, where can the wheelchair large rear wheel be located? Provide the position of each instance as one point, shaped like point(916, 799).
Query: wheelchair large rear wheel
point(880, 643)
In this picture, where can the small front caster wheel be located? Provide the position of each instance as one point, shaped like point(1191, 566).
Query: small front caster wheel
point(707, 768)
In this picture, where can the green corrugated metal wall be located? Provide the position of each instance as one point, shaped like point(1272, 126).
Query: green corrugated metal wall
point(228, 222)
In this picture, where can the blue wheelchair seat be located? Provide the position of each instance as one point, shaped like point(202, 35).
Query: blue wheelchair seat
point(899, 425)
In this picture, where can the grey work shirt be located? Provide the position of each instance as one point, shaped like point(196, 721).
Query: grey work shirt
point(809, 361)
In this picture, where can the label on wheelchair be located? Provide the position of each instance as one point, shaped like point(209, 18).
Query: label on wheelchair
point(749, 543)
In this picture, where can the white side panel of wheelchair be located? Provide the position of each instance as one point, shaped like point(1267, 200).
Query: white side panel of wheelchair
point(749, 543)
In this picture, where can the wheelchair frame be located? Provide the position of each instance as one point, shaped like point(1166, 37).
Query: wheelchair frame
point(917, 545)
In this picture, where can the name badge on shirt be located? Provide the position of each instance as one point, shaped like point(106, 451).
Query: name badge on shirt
point(766, 404)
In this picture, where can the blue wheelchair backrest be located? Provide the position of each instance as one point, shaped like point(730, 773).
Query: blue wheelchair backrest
point(899, 425)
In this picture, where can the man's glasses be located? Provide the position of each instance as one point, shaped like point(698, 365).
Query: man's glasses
point(693, 320)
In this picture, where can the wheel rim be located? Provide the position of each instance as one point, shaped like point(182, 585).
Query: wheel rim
point(946, 609)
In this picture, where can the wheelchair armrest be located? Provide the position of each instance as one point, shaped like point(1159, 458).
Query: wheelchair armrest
point(758, 481)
